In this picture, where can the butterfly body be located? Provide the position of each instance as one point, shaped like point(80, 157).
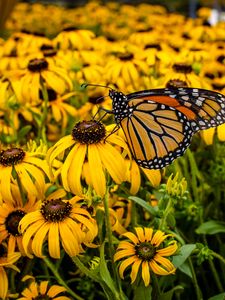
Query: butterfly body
point(159, 123)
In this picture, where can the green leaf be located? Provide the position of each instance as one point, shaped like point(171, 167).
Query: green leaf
point(145, 205)
point(104, 272)
point(168, 295)
point(143, 292)
point(184, 253)
point(218, 297)
point(185, 268)
point(211, 227)
point(24, 131)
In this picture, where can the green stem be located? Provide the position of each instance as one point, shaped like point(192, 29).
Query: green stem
point(194, 280)
point(19, 185)
point(51, 266)
point(167, 210)
point(221, 258)
point(216, 276)
point(42, 126)
point(110, 240)
point(84, 269)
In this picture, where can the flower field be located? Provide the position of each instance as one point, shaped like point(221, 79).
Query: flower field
point(108, 192)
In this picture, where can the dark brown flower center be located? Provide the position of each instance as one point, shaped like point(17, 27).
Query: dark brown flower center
point(88, 132)
point(182, 68)
point(55, 210)
point(46, 47)
point(153, 46)
point(125, 56)
point(176, 83)
point(49, 52)
point(70, 28)
point(42, 297)
point(37, 65)
point(12, 221)
point(145, 251)
point(52, 95)
point(11, 156)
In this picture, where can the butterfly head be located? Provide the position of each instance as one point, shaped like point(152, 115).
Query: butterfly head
point(120, 105)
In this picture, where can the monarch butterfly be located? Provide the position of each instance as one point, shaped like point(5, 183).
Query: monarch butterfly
point(159, 123)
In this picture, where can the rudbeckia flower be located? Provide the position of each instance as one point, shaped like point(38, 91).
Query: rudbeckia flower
point(30, 171)
point(72, 38)
point(7, 260)
point(43, 291)
point(11, 212)
point(209, 134)
point(58, 221)
point(59, 109)
point(145, 251)
point(90, 141)
point(28, 82)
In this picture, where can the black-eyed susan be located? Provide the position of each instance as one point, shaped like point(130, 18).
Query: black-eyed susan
point(28, 82)
point(7, 260)
point(11, 212)
point(62, 223)
point(145, 251)
point(59, 109)
point(44, 290)
point(73, 38)
point(91, 143)
point(24, 165)
point(209, 134)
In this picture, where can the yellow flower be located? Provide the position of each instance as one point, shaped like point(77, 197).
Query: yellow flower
point(89, 141)
point(208, 134)
point(59, 222)
point(184, 72)
point(59, 109)
point(72, 38)
point(30, 170)
point(10, 215)
point(7, 260)
point(43, 291)
point(144, 251)
point(28, 82)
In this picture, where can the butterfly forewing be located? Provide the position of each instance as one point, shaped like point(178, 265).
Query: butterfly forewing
point(156, 133)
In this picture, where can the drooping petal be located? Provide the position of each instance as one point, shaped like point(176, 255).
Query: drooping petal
point(154, 176)
point(166, 263)
point(134, 269)
point(96, 171)
point(75, 169)
point(53, 240)
point(38, 240)
point(55, 290)
point(69, 242)
point(3, 283)
point(145, 272)
point(125, 264)
point(157, 269)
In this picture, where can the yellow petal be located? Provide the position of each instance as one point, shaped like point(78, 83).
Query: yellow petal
point(208, 135)
point(134, 269)
point(69, 242)
point(122, 253)
point(140, 234)
point(3, 283)
point(74, 173)
point(221, 132)
point(145, 272)
point(170, 250)
point(125, 264)
point(55, 290)
point(154, 176)
point(53, 240)
point(132, 237)
point(96, 172)
point(39, 238)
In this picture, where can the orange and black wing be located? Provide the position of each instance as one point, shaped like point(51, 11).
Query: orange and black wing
point(203, 108)
point(156, 133)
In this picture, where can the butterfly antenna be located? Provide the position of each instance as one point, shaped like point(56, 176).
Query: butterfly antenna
point(91, 84)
